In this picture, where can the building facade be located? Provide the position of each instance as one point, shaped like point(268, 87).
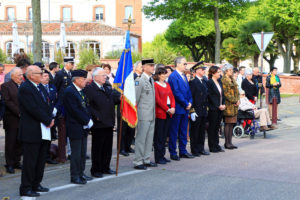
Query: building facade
point(98, 24)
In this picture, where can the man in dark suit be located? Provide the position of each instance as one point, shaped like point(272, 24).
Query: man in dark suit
point(53, 69)
point(51, 94)
point(198, 111)
point(102, 106)
point(183, 98)
point(62, 81)
point(78, 123)
point(35, 115)
point(13, 148)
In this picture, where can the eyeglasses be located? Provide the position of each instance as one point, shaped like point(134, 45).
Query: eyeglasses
point(185, 64)
point(40, 73)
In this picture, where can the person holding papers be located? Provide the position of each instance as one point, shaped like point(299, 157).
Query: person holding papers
point(35, 114)
point(78, 123)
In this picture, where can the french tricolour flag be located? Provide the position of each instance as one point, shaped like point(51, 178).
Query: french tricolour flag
point(124, 83)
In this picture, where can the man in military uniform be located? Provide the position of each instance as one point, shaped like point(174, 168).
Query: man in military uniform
point(78, 123)
point(199, 110)
point(62, 80)
point(145, 99)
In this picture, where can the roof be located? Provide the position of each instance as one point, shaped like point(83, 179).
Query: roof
point(76, 28)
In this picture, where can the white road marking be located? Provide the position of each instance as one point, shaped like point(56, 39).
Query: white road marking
point(94, 180)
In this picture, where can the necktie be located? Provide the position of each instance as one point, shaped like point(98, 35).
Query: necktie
point(47, 88)
point(81, 94)
point(41, 92)
point(150, 80)
point(69, 74)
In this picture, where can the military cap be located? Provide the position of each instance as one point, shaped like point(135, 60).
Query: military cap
point(79, 73)
point(39, 64)
point(148, 61)
point(68, 59)
point(198, 65)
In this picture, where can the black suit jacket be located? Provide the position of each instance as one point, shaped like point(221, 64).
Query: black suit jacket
point(102, 105)
point(62, 81)
point(34, 111)
point(11, 117)
point(199, 93)
point(214, 95)
point(51, 79)
point(76, 112)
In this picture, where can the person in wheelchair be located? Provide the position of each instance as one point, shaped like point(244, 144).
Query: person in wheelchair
point(262, 114)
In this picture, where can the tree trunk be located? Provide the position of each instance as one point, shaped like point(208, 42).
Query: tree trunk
point(255, 60)
point(286, 53)
point(37, 30)
point(296, 57)
point(218, 36)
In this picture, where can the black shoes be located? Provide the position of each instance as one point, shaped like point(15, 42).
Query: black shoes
point(79, 181)
point(227, 147)
point(52, 162)
point(187, 155)
point(140, 167)
point(196, 154)
point(10, 169)
point(30, 193)
point(174, 157)
point(41, 189)
point(161, 162)
point(150, 164)
point(18, 166)
point(124, 153)
point(130, 150)
point(109, 172)
point(167, 160)
point(97, 175)
point(87, 178)
point(205, 153)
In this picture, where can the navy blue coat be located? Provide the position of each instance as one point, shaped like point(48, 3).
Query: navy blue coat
point(181, 91)
point(199, 93)
point(76, 112)
point(34, 111)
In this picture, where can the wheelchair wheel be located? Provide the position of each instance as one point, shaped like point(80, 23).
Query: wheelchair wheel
point(238, 131)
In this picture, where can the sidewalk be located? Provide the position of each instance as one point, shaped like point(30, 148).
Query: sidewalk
point(289, 116)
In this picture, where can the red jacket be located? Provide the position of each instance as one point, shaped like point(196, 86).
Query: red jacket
point(161, 94)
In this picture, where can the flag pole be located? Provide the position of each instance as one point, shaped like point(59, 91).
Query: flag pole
point(122, 104)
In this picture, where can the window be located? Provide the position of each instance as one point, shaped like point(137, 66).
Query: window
point(10, 14)
point(9, 48)
point(95, 46)
point(30, 14)
point(45, 51)
point(128, 12)
point(99, 14)
point(69, 50)
point(66, 14)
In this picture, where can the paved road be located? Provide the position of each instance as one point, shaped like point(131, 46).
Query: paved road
point(261, 169)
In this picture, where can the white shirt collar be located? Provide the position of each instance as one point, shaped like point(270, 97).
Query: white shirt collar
point(199, 78)
point(66, 70)
point(181, 73)
point(100, 86)
point(36, 85)
point(148, 77)
point(77, 88)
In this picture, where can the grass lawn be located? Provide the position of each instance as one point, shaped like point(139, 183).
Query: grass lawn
point(289, 95)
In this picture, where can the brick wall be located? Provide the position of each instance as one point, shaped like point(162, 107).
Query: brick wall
point(290, 84)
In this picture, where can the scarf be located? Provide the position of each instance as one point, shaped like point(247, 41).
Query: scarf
point(274, 79)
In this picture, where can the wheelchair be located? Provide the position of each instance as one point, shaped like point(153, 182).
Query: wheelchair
point(246, 124)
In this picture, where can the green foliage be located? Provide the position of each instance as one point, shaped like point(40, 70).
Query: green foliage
point(59, 58)
point(160, 51)
point(87, 57)
point(231, 51)
point(3, 57)
point(136, 56)
point(116, 54)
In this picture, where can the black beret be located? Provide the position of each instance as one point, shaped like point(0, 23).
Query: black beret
point(69, 59)
point(198, 65)
point(148, 61)
point(39, 64)
point(79, 73)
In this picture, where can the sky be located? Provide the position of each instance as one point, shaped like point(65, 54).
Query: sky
point(150, 29)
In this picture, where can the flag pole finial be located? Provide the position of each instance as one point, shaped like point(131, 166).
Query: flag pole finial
point(129, 22)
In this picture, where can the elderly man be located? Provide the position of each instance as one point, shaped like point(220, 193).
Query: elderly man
point(102, 107)
point(78, 123)
point(183, 98)
point(35, 116)
point(145, 100)
point(13, 148)
point(138, 70)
